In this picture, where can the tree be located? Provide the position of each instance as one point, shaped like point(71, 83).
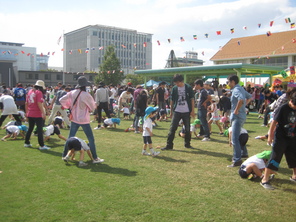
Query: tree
point(134, 79)
point(110, 69)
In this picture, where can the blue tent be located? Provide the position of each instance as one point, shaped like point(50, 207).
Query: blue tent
point(151, 83)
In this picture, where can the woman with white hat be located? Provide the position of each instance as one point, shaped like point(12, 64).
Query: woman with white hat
point(36, 114)
point(81, 104)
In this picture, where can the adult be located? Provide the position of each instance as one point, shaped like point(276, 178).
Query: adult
point(57, 107)
point(20, 96)
point(182, 107)
point(239, 99)
point(9, 108)
point(36, 114)
point(208, 87)
point(269, 98)
point(160, 97)
point(111, 98)
point(124, 98)
point(102, 102)
point(202, 105)
point(81, 104)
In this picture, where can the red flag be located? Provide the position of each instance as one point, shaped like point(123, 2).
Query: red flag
point(292, 70)
point(87, 50)
point(259, 25)
point(28, 54)
point(101, 48)
point(62, 49)
point(53, 53)
point(218, 32)
point(23, 52)
point(144, 44)
point(59, 40)
point(271, 23)
point(245, 27)
point(283, 47)
point(70, 52)
point(123, 46)
point(41, 54)
point(158, 42)
point(293, 40)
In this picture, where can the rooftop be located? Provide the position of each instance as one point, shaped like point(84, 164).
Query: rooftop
point(280, 43)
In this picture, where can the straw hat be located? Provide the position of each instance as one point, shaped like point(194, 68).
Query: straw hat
point(40, 83)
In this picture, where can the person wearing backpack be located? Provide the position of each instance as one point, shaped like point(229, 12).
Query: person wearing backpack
point(20, 96)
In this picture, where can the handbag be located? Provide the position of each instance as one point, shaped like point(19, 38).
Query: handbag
point(70, 115)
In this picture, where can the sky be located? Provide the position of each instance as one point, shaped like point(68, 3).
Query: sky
point(40, 23)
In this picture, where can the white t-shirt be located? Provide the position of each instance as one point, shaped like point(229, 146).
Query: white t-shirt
point(22, 113)
point(126, 110)
point(124, 96)
point(192, 128)
point(257, 161)
point(241, 132)
point(108, 122)
point(49, 130)
point(9, 106)
point(83, 144)
point(182, 106)
point(113, 91)
point(10, 123)
point(13, 129)
point(147, 124)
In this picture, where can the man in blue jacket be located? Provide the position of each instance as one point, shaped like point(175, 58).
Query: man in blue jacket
point(182, 106)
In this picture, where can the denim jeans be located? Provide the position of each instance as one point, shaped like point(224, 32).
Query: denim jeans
point(238, 151)
point(39, 123)
point(136, 121)
point(111, 101)
point(104, 106)
point(90, 136)
point(202, 115)
point(174, 126)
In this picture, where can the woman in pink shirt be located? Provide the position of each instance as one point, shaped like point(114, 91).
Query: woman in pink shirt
point(80, 111)
point(36, 114)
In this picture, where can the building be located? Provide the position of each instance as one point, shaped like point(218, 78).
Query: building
point(277, 49)
point(84, 48)
point(190, 59)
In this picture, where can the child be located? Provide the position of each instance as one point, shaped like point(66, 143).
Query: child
point(59, 122)
point(111, 122)
point(162, 114)
point(126, 112)
point(243, 139)
point(215, 116)
point(254, 166)
point(150, 112)
point(13, 131)
point(51, 130)
point(193, 127)
point(11, 123)
point(76, 144)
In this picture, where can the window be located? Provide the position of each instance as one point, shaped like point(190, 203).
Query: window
point(47, 76)
point(36, 76)
point(95, 33)
point(59, 77)
point(90, 78)
point(29, 76)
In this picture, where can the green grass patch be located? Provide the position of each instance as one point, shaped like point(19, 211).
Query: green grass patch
point(179, 185)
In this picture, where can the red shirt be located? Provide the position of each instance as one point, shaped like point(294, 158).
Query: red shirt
point(33, 98)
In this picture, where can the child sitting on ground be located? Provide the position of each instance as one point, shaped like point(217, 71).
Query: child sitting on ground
point(76, 144)
point(253, 167)
point(13, 131)
point(111, 122)
point(150, 112)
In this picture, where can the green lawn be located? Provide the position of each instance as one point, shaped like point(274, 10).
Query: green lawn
point(179, 185)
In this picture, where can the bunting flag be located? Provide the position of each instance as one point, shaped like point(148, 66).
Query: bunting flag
point(9, 52)
point(101, 48)
point(53, 53)
point(218, 32)
point(271, 23)
point(123, 46)
point(113, 71)
point(86, 50)
point(22, 52)
point(232, 30)
point(70, 52)
point(80, 51)
point(284, 74)
point(245, 27)
point(292, 25)
point(93, 48)
point(207, 35)
point(238, 42)
point(135, 45)
point(48, 53)
point(293, 40)
point(195, 37)
point(158, 42)
point(182, 39)
point(28, 54)
point(268, 33)
point(283, 47)
point(203, 53)
point(259, 25)
point(41, 54)
point(292, 70)
point(62, 49)
point(16, 54)
point(287, 20)
point(145, 44)
point(169, 40)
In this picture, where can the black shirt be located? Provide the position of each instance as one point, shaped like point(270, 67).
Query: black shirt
point(286, 118)
point(160, 91)
point(271, 98)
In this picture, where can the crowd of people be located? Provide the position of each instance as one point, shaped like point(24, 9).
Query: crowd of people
point(225, 105)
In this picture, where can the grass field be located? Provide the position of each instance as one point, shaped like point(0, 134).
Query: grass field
point(179, 185)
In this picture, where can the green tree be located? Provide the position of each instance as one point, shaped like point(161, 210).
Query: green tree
point(134, 79)
point(110, 69)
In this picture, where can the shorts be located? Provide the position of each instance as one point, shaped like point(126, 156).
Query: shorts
point(8, 132)
point(56, 130)
point(58, 121)
point(126, 114)
point(242, 172)
point(147, 140)
point(243, 139)
point(74, 143)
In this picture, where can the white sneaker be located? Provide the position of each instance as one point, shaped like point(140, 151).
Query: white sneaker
point(145, 153)
point(257, 137)
point(137, 132)
point(98, 160)
point(66, 158)
point(44, 147)
point(205, 139)
point(81, 164)
point(97, 128)
point(27, 145)
point(155, 153)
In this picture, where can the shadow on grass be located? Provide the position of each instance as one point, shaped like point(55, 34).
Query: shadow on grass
point(169, 159)
point(279, 181)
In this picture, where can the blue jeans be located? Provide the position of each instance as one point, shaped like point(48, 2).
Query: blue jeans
point(90, 136)
point(236, 124)
point(174, 126)
point(202, 115)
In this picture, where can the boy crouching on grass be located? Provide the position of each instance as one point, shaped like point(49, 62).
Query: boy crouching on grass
point(193, 127)
point(76, 144)
point(111, 122)
point(253, 167)
point(13, 131)
point(150, 112)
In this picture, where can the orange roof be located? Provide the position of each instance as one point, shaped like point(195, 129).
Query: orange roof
point(280, 43)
